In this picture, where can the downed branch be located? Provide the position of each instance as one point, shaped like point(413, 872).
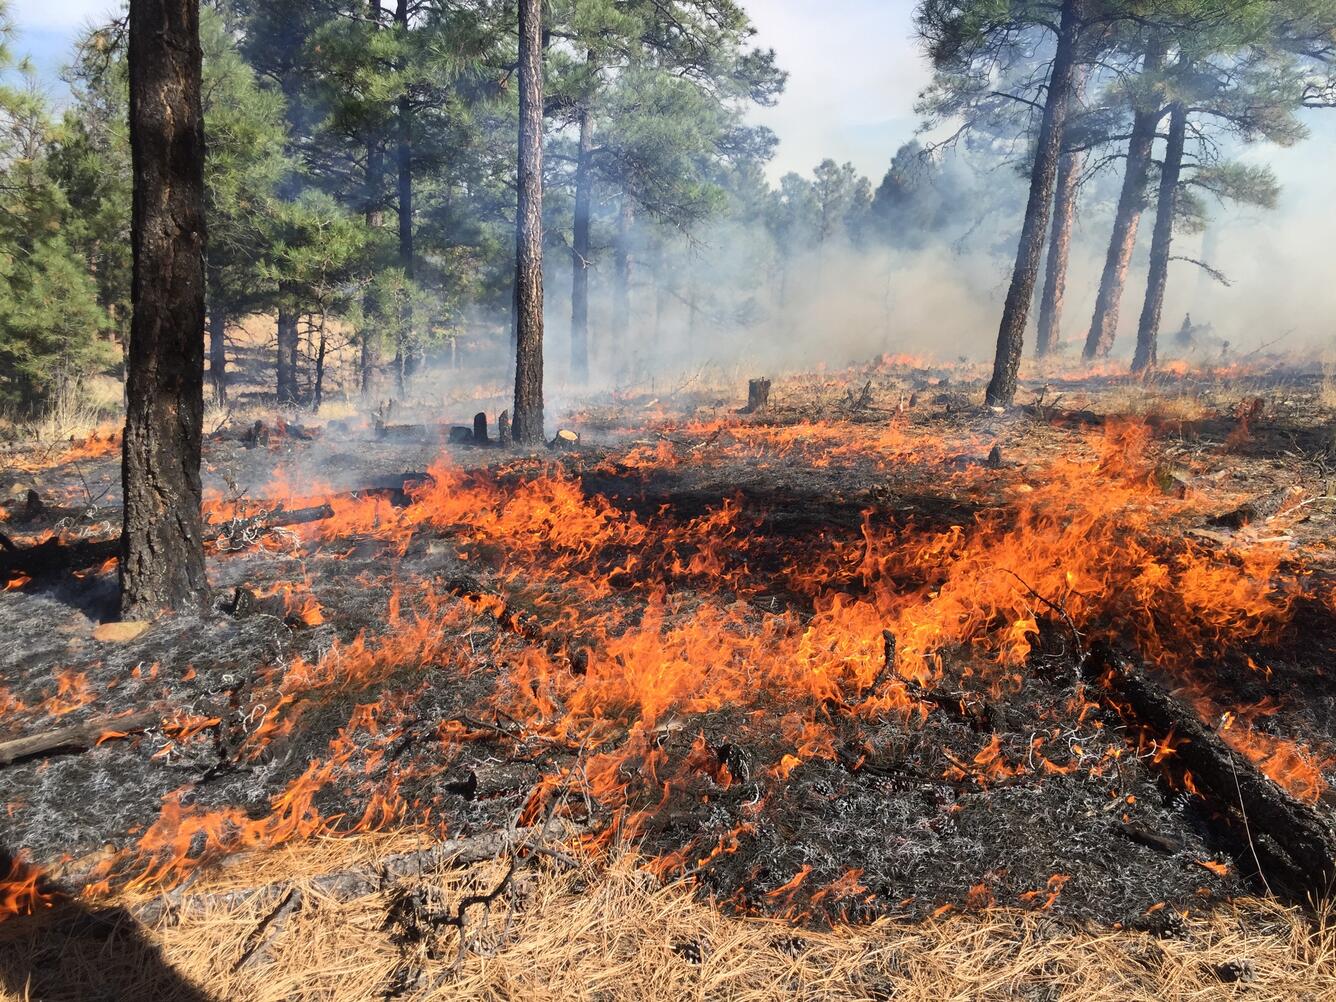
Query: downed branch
point(83, 735)
point(1293, 846)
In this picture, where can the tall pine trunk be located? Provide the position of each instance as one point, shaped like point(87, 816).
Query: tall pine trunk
point(162, 543)
point(217, 337)
point(1127, 217)
point(318, 386)
point(621, 278)
point(1011, 331)
point(527, 427)
point(1149, 328)
point(287, 352)
point(584, 184)
point(1059, 241)
point(404, 164)
point(375, 168)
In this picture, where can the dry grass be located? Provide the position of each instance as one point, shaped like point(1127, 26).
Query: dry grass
point(613, 932)
point(1326, 393)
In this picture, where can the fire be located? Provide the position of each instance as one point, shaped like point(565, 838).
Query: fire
point(21, 889)
point(614, 627)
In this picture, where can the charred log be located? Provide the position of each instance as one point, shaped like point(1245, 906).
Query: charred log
point(1292, 845)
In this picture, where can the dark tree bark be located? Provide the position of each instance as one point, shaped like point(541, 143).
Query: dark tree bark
point(584, 184)
point(1011, 332)
point(375, 169)
point(528, 423)
point(404, 165)
point(1127, 217)
point(1059, 244)
point(1148, 329)
point(318, 387)
point(217, 342)
point(162, 550)
point(621, 279)
point(287, 353)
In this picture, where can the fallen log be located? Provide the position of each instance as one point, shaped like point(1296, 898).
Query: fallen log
point(83, 735)
point(1263, 509)
point(1292, 844)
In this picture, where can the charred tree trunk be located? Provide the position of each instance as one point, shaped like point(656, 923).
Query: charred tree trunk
point(162, 550)
point(1127, 217)
point(1148, 329)
point(621, 280)
point(1011, 332)
point(1059, 244)
point(287, 353)
point(217, 343)
point(528, 424)
point(584, 183)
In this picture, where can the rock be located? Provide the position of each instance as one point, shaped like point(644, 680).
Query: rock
point(119, 633)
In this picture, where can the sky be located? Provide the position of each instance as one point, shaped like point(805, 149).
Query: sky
point(853, 66)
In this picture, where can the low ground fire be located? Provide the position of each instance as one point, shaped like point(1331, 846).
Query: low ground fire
point(848, 657)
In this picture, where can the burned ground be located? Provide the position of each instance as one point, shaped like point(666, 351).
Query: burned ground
point(672, 636)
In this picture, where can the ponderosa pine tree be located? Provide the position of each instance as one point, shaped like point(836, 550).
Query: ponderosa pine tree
point(660, 85)
point(1166, 207)
point(1054, 289)
point(1146, 98)
point(162, 545)
point(53, 328)
point(954, 33)
point(527, 426)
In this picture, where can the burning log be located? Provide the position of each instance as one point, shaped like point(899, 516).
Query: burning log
point(758, 396)
point(75, 736)
point(1293, 846)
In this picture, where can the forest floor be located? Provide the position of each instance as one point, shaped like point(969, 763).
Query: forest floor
point(721, 705)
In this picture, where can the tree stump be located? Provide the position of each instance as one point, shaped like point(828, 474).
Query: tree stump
point(758, 395)
point(480, 428)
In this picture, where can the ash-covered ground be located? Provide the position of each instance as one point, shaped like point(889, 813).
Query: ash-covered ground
point(668, 636)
